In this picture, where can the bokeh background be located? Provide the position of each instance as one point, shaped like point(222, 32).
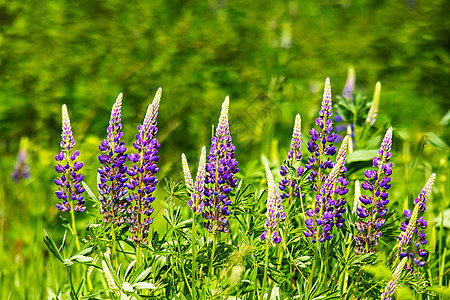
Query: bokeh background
point(270, 57)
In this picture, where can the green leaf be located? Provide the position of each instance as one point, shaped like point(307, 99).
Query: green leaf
point(52, 246)
point(361, 155)
point(90, 193)
point(144, 286)
point(127, 287)
point(143, 274)
point(436, 141)
point(81, 258)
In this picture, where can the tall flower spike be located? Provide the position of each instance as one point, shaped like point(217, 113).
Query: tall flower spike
point(21, 167)
point(349, 84)
point(341, 185)
point(112, 172)
point(356, 202)
point(372, 115)
point(274, 212)
point(321, 219)
point(69, 183)
point(321, 144)
point(341, 125)
point(412, 238)
point(220, 170)
point(142, 175)
point(187, 173)
point(392, 284)
point(371, 213)
point(288, 186)
point(196, 202)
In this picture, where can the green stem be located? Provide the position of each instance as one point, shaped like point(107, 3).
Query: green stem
point(71, 283)
point(213, 253)
point(182, 266)
point(266, 265)
point(138, 255)
point(74, 229)
point(194, 258)
point(114, 252)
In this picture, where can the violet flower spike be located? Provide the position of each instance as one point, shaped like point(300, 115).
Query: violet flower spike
point(275, 213)
point(288, 186)
point(392, 284)
point(21, 167)
point(196, 202)
point(321, 144)
point(143, 182)
point(112, 172)
point(321, 219)
point(69, 184)
point(373, 209)
point(220, 176)
point(412, 239)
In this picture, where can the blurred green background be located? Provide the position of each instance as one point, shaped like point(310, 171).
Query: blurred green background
point(270, 57)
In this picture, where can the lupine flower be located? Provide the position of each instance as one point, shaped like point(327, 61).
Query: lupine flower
point(412, 238)
point(349, 84)
point(321, 144)
point(21, 168)
point(322, 217)
point(372, 115)
point(69, 183)
point(373, 210)
point(275, 212)
point(356, 202)
point(341, 186)
point(288, 186)
point(187, 173)
point(142, 174)
point(196, 202)
point(347, 93)
point(220, 179)
point(392, 284)
point(112, 172)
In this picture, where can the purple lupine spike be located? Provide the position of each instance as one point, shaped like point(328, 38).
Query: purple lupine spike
point(373, 209)
point(341, 186)
point(320, 223)
point(142, 175)
point(220, 170)
point(196, 202)
point(288, 186)
point(349, 84)
point(275, 213)
point(412, 239)
point(341, 125)
point(21, 167)
point(112, 172)
point(69, 182)
point(321, 144)
point(392, 284)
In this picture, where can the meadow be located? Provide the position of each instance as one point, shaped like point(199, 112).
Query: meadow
point(128, 173)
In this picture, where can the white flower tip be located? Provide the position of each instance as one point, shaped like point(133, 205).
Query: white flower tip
point(157, 98)
point(203, 155)
point(269, 175)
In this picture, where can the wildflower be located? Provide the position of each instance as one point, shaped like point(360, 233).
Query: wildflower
point(21, 168)
point(392, 284)
point(196, 202)
point(373, 208)
point(341, 124)
point(288, 186)
point(321, 143)
point(412, 238)
point(187, 174)
point(220, 170)
point(69, 183)
point(341, 185)
point(142, 174)
point(372, 115)
point(112, 172)
point(274, 212)
point(321, 218)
